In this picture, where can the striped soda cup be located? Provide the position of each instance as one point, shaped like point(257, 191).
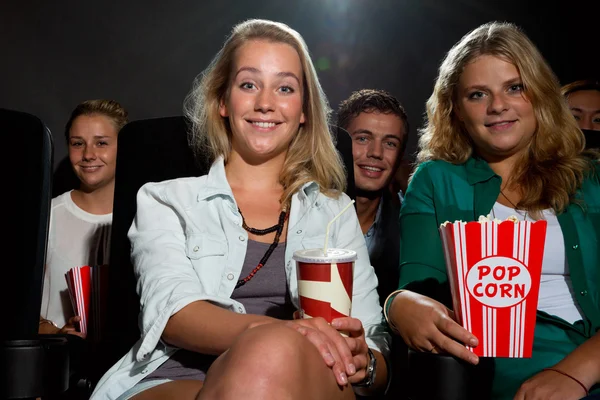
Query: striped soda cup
point(494, 269)
point(325, 282)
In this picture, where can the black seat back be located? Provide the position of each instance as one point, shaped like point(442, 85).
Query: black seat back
point(28, 215)
point(149, 150)
point(592, 139)
point(31, 365)
point(344, 147)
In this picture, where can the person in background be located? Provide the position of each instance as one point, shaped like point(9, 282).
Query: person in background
point(584, 102)
point(80, 219)
point(213, 254)
point(378, 125)
point(500, 140)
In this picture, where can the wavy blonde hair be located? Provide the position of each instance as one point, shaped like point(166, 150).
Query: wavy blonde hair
point(554, 167)
point(311, 156)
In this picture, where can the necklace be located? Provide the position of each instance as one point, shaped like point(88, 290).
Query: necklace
point(507, 199)
point(258, 232)
point(512, 204)
point(278, 228)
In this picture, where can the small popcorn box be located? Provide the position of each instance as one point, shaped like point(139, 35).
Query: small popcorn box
point(494, 269)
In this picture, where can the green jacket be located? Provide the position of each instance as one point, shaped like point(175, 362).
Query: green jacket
point(439, 192)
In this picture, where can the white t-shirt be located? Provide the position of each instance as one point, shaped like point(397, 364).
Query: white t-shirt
point(76, 238)
point(556, 290)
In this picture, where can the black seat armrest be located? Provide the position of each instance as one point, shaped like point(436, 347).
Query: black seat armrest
point(443, 377)
point(34, 367)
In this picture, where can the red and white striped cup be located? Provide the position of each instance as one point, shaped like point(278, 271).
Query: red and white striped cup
point(325, 282)
point(494, 271)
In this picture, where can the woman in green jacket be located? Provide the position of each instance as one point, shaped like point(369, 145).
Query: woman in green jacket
point(500, 141)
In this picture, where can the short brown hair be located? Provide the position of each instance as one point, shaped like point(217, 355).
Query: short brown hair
point(577, 86)
point(372, 100)
point(108, 108)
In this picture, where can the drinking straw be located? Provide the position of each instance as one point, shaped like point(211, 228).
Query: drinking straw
point(329, 225)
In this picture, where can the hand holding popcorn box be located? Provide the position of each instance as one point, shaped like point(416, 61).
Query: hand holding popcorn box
point(494, 269)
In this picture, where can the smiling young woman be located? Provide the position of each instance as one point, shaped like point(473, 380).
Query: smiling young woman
point(213, 254)
point(80, 219)
point(500, 140)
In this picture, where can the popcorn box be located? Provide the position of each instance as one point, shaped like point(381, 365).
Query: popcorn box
point(494, 269)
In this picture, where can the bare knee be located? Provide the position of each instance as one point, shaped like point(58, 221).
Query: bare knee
point(277, 350)
point(265, 362)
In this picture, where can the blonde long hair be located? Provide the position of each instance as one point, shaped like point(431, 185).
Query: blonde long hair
point(311, 156)
point(554, 167)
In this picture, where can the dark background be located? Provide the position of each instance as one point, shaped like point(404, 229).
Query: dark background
point(146, 54)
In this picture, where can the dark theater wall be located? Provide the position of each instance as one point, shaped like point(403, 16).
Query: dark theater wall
point(146, 54)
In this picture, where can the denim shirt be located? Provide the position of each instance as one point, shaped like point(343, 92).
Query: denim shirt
point(370, 236)
point(188, 244)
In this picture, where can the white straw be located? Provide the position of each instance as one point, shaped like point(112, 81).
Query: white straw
point(329, 225)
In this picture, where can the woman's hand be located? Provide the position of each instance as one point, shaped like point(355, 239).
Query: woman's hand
point(48, 327)
point(70, 327)
point(427, 325)
point(357, 344)
point(550, 385)
point(332, 346)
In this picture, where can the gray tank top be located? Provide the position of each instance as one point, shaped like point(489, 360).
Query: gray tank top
point(265, 294)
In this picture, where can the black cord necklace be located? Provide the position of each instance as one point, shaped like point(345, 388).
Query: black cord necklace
point(259, 232)
point(512, 204)
point(278, 228)
point(507, 199)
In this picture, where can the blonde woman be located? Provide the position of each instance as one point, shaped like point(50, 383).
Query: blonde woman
point(500, 140)
point(212, 254)
point(81, 219)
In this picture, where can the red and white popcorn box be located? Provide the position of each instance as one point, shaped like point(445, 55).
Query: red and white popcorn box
point(87, 286)
point(494, 269)
point(325, 282)
point(79, 283)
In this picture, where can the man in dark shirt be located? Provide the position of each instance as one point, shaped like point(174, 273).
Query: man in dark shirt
point(378, 125)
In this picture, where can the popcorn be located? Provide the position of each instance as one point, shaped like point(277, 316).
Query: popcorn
point(513, 218)
point(483, 219)
point(494, 269)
